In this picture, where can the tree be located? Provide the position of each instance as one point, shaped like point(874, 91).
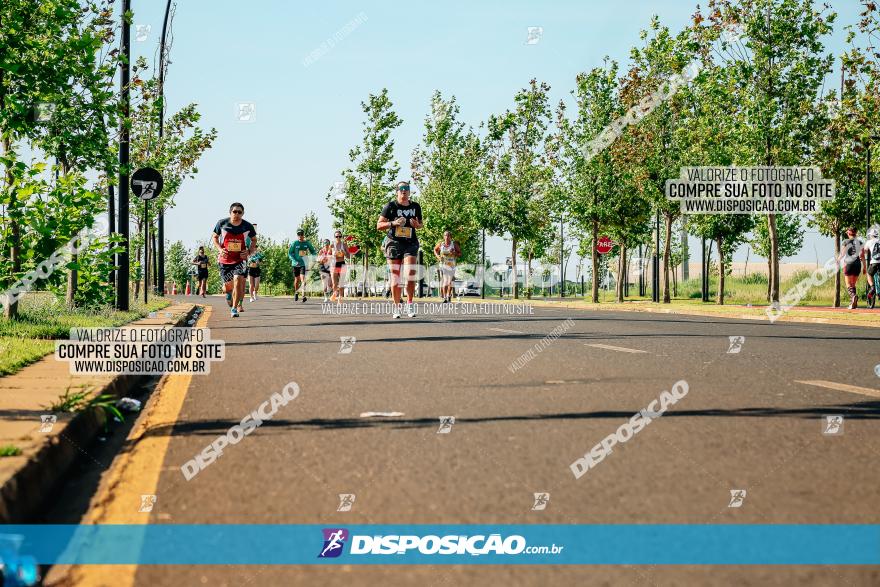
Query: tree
point(727, 231)
point(789, 236)
point(776, 73)
point(517, 169)
point(370, 180)
point(588, 179)
point(52, 54)
point(658, 149)
point(446, 169)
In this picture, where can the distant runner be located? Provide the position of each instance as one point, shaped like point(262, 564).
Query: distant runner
point(340, 253)
point(401, 218)
point(325, 259)
point(447, 251)
point(254, 272)
point(851, 256)
point(229, 239)
point(299, 251)
point(201, 263)
point(872, 257)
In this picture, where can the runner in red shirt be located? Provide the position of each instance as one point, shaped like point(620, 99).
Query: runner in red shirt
point(229, 238)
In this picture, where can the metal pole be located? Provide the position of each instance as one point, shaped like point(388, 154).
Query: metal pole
point(561, 256)
point(146, 270)
point(656, 281)
point(703, 281)
point(160, 284)
point(483, 271)
point(111, 223)
point(122, 275)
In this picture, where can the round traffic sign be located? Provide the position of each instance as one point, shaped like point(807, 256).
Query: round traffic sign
point(604, 245)
point(146, 183)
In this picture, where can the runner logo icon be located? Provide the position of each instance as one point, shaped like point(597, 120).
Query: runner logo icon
point(346, 500)
point(737, 497)
point(334, 541)
point(541, 501)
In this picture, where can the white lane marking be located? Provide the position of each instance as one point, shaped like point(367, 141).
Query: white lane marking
point(614, 348)
point(843, 387)
point(381, 414)
point(507, 331)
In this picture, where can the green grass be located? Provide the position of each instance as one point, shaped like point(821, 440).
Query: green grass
point(41, 318)
point(8, 450)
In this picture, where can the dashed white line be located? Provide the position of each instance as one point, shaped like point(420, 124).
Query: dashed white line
point(843, 387)
point(615, 348)
point(507, 331)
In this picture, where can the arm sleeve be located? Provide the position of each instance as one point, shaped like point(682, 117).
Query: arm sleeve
point(290, 252)
point(386, 211)
point(312, 248)
point(217, 227)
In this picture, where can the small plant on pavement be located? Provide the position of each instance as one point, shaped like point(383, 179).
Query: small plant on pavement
point(78, 401)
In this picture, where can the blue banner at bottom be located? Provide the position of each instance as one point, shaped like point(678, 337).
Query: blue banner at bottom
point(629, 544)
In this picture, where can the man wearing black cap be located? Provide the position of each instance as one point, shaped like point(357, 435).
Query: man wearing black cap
point(299, 251)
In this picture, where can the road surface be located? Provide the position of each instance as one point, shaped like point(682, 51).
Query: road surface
point(752, 420)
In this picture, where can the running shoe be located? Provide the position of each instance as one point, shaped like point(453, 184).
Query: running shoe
point(296, 297)
point(234, 313)
point(253, 299)
point(304, 298)
point(229, 299)
point(396, 312)
point(410, 310)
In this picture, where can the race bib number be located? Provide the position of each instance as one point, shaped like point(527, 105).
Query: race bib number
point(340, 255)
point(203, 265)
point(403, 231)
point(450, 262)
point(303, 252)
point(233, 246)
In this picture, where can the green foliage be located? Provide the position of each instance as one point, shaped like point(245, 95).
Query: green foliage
point(446, 168)
point(9, 450)
point(72, 402)
point(178, 262)
point(369, 182)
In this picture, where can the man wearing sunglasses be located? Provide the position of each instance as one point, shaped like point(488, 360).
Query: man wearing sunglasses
point(399, 219)
point(235, 238)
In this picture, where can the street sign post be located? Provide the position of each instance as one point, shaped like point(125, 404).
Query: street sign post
point(146, 183)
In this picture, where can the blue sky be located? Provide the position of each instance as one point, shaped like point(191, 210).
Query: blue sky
point(308, 117)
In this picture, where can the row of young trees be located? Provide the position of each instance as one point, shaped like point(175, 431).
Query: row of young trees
point(757, 95)
point(60, 116)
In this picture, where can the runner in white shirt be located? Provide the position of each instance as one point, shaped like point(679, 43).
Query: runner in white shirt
point(447, 251)
point(872, 258)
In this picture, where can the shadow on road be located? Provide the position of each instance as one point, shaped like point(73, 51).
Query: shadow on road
point(857, 411)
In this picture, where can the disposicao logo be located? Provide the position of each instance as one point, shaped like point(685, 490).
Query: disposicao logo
point(334, 541)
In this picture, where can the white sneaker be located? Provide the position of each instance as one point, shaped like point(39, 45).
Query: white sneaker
point(253, 299)
point(411, 310)
point(396, 313)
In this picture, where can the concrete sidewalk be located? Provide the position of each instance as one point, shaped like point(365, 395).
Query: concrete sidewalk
point(47, 450)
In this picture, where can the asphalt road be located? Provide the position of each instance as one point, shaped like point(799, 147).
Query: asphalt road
point(748, 422)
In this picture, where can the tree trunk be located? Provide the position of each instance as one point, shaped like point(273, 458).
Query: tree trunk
point(366, 258)
point(595, 259)
point(837, 273)
point(667, 254)
point(774, 257)
point(10, 309)
point(621, 273)
point(514, 284)
point(720, 272)
point(769, 280)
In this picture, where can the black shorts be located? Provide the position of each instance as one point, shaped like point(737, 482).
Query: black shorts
point(323, 268)
point(230, 272)
point(873, 268)
point(299, 270)
point(202, 274)
point(396, 250)
point(254, 271)
point(854, 268)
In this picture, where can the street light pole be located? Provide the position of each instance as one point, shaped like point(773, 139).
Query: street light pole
point(160, 285)
point(562, 257)
point(483, 268)
point(122, 274)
